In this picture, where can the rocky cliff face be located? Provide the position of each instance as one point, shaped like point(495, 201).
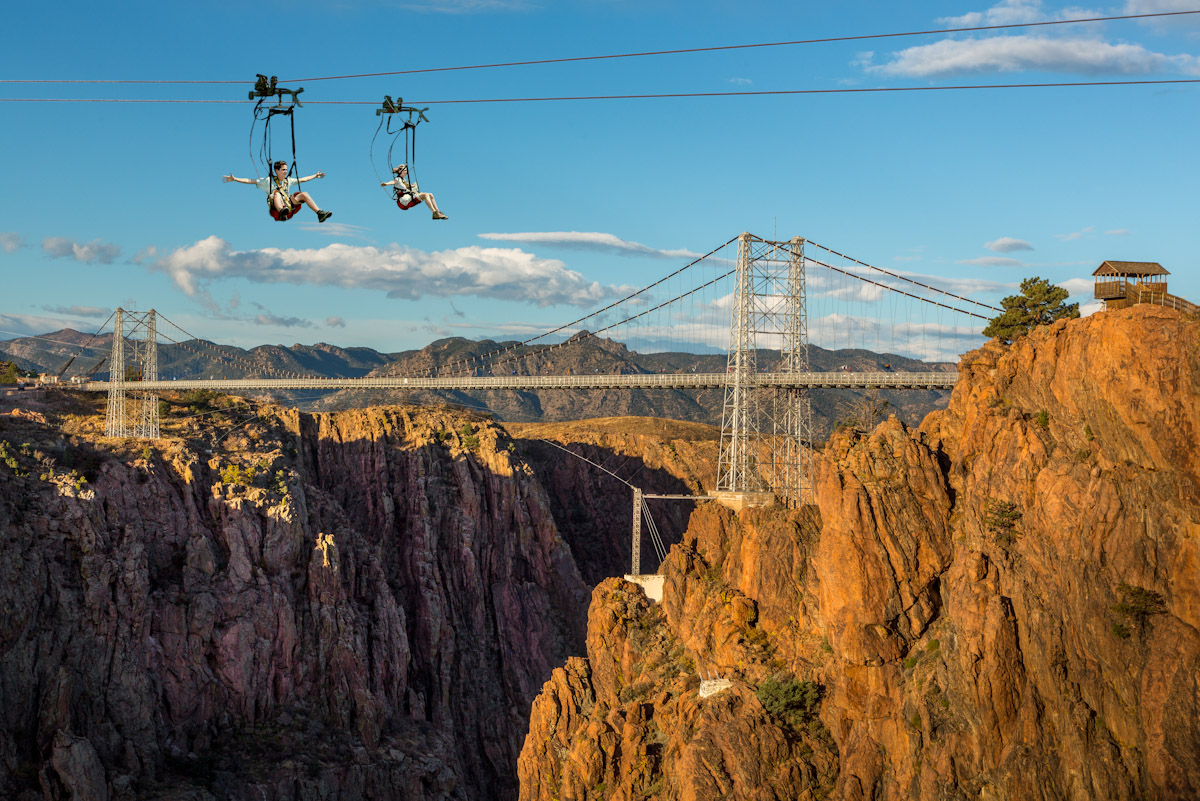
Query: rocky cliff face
point(592, 507)
point(1001, 604)
point(274, 606)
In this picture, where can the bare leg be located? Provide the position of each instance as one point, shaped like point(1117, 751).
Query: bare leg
point(277, 200)
point(306, 199)
point(427, 199)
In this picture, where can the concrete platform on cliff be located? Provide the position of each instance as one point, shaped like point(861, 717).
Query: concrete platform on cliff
point(651, 584)
point(737, 501)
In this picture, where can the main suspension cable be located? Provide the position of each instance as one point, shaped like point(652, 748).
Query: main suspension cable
point(573, 323)
point(900, 277)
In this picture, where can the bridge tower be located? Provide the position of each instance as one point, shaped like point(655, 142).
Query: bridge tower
point(766, 432)
point(133, 412)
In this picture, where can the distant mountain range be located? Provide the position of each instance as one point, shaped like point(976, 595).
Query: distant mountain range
point(582, 354)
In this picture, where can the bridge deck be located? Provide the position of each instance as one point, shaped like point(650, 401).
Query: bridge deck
point(520, 382)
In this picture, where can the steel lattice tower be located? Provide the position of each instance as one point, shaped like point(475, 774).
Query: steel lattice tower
point(114, 420)
point(766, 433)
point(135, 416)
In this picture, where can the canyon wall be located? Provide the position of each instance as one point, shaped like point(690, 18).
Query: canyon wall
point(1001, 604)
point(587, 468)
point(273, 606)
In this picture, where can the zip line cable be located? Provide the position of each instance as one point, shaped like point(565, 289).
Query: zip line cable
point(824, 40)
point(680, 51)
point(840, 91)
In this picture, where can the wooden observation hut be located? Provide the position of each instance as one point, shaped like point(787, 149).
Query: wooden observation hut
point(1125, 283)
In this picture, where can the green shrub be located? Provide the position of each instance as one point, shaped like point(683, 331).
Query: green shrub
point(1138, 604)
point(915, 720)
point(910, 662)
point(793, 701)
point(636, 692)
point(1001, 520)
point(933, 646)
point(1087, 433)
point(1043, 419)
point(1120, 631)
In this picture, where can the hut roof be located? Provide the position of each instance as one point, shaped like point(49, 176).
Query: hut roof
point(1130, 268)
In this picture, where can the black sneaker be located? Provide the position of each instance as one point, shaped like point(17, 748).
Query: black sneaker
point(322, 216)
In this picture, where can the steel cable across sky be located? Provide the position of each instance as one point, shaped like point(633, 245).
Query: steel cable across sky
point(609, 56)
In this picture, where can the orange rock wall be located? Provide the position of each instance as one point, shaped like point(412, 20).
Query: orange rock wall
point(1001, 604)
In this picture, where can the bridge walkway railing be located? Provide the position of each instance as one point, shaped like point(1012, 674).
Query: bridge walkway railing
point(833, 380)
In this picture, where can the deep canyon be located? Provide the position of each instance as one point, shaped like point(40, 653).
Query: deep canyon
point(418, 603)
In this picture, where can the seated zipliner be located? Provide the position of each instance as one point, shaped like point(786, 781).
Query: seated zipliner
point(409, 194)
point(284, 198)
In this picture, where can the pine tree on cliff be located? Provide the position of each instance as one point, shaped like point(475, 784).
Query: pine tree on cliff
point(1040, 303)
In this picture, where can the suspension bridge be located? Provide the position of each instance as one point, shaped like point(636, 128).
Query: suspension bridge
point(761, 307)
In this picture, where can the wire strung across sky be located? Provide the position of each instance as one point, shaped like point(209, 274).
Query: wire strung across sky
point(841, 91)
point(898, 276)
point(609, 56)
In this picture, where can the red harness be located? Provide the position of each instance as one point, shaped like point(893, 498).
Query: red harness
point(282, 215)
point(405, 205)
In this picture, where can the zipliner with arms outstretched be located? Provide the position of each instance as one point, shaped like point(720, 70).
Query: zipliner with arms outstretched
point(409, 195)
point(284, 197)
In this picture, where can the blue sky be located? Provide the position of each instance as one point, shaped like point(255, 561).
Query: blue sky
point(556, 207)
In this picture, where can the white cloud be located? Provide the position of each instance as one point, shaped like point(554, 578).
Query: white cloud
point(399, 271)
point(335, 322)
point(591, 240)
point(1161, 6)
point(1014, 12)
point(1088, 309)
point(1071, 237)
point(963, 286)
point(79, 311)
point(1117, 232)
point(87, 252)
point(11, 242)
point(992, 261)
point(1007, 244)
point(1078, 286)
point(339, 230)
point(863, 59)
point(266, 318)
point(860, 291)
point(22, 325)
point(1005, 13)
point(1033, 53)
point(930, 341)
point(741, 81)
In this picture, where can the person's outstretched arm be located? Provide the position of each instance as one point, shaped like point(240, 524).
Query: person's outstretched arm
point(232, 177)
point(317, 174)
